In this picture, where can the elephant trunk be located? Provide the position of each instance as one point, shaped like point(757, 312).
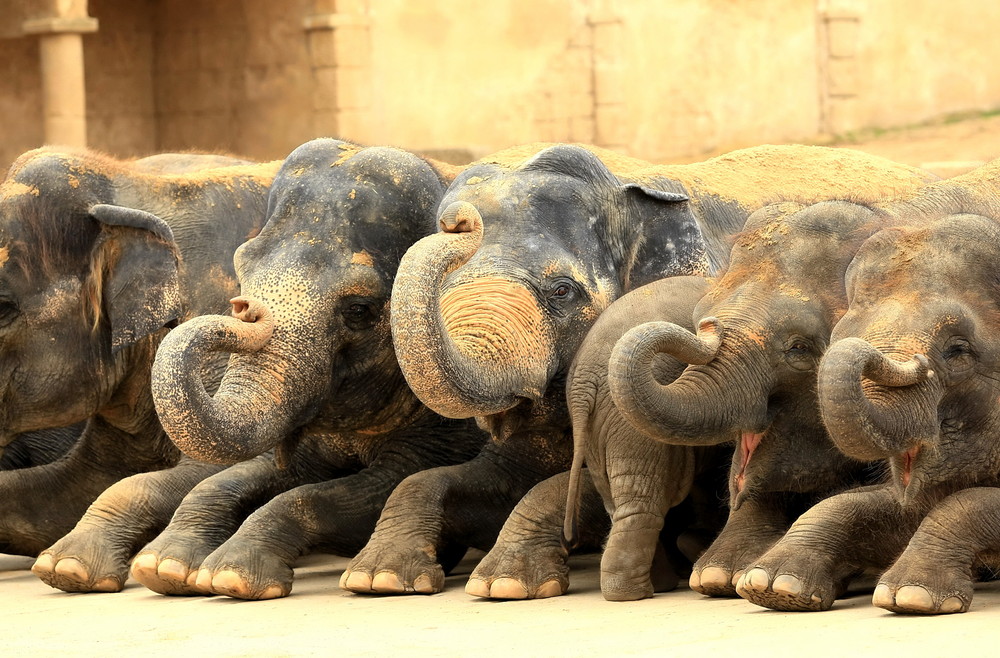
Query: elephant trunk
point(704, 405)
point(478, 348)
point(257, 399)
point(874, 406)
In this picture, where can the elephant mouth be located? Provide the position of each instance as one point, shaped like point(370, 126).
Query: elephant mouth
point(903, 465)
point(749, 442)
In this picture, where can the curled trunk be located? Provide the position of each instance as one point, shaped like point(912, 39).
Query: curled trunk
point(874, 406)
point(706, 404)
point(476, 349)
point(254, 406)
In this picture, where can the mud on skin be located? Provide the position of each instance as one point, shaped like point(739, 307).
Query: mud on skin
point(548, 237)
point(312, 376)
point(911, 378)
point(97, 256)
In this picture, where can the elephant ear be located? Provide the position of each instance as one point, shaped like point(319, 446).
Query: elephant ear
point(661, 237)
point(134, 273)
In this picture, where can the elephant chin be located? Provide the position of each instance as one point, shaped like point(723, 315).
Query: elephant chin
point(478, 348)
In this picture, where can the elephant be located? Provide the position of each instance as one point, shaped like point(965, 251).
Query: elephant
point(751, 378)
point(910, 379)
point(535, 243)
point(90, 280)
point(39, 447)
point(312, 424)
point(640, 480)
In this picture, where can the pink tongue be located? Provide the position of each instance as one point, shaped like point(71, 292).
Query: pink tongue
point(909, 457)
point(748, 443)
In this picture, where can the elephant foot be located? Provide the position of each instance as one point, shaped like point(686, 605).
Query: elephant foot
point(909, 588)
point(520, 570)
point(715, 581)
point(242, 571)
point(168, 576)
point(169, 565)
point(376, 570)
point(634, 572)
point(83, 562)
point(787, 586)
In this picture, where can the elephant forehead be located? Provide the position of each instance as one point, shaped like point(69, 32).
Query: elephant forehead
point(491, 318)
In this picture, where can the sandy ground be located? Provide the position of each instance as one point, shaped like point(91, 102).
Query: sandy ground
point(319, 619)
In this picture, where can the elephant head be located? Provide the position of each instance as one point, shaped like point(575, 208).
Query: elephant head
point(309, 334)
point(84, 288)
point(912, 376)
point(753, 360)
point(487, 313)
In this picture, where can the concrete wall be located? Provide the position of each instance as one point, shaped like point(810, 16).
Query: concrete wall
point(232, 75)
point(121, 115)
point(20, 99)
point(904, 62)
point(659, 80)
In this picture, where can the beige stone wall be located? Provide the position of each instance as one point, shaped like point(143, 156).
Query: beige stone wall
point(20, 99)
point(121, 116)
point(905, 62)
point(232, 75)
point(659, 80)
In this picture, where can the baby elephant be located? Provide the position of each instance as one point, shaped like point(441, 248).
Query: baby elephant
point(639, 479)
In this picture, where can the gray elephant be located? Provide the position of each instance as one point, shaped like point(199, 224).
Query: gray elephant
point(311, 376)
point(911, 379)
point(641, 481)
point(752, 376)
point(488, 314)
point(89, 279)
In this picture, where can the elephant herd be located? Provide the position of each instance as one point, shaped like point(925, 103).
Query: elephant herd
point(769, 373)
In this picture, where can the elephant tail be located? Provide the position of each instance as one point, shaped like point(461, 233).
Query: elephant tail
point(582, 396)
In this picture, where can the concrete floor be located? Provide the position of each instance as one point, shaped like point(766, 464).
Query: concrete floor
point(320, 619)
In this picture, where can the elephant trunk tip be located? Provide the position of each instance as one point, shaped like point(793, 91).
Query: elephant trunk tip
point(710, 333)
point(461, 217)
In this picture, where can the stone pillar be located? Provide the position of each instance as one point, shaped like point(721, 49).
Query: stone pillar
point(63, 94)
point(340, 53)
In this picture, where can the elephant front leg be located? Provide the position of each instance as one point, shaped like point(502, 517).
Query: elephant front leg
point(94, 556)
point(528, 560)
point(462, 505)
point(749, 531)
point(833, 541)
point(207, 516)
point(934, 574)
point(337, 515)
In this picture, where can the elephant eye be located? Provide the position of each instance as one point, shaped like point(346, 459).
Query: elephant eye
point(561, 290)
point(959, 348)
point(8, 312)
point(800, 354)
point(358, 315)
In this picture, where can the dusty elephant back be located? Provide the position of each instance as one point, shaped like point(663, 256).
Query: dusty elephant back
point(211, 210)
point(727, 189)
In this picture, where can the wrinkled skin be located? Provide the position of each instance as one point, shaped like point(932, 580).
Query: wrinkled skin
point(89, 278)
point(312, 376)
point(752, 376)
point(492, 309)
point(913, 379)
point(639, 480)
